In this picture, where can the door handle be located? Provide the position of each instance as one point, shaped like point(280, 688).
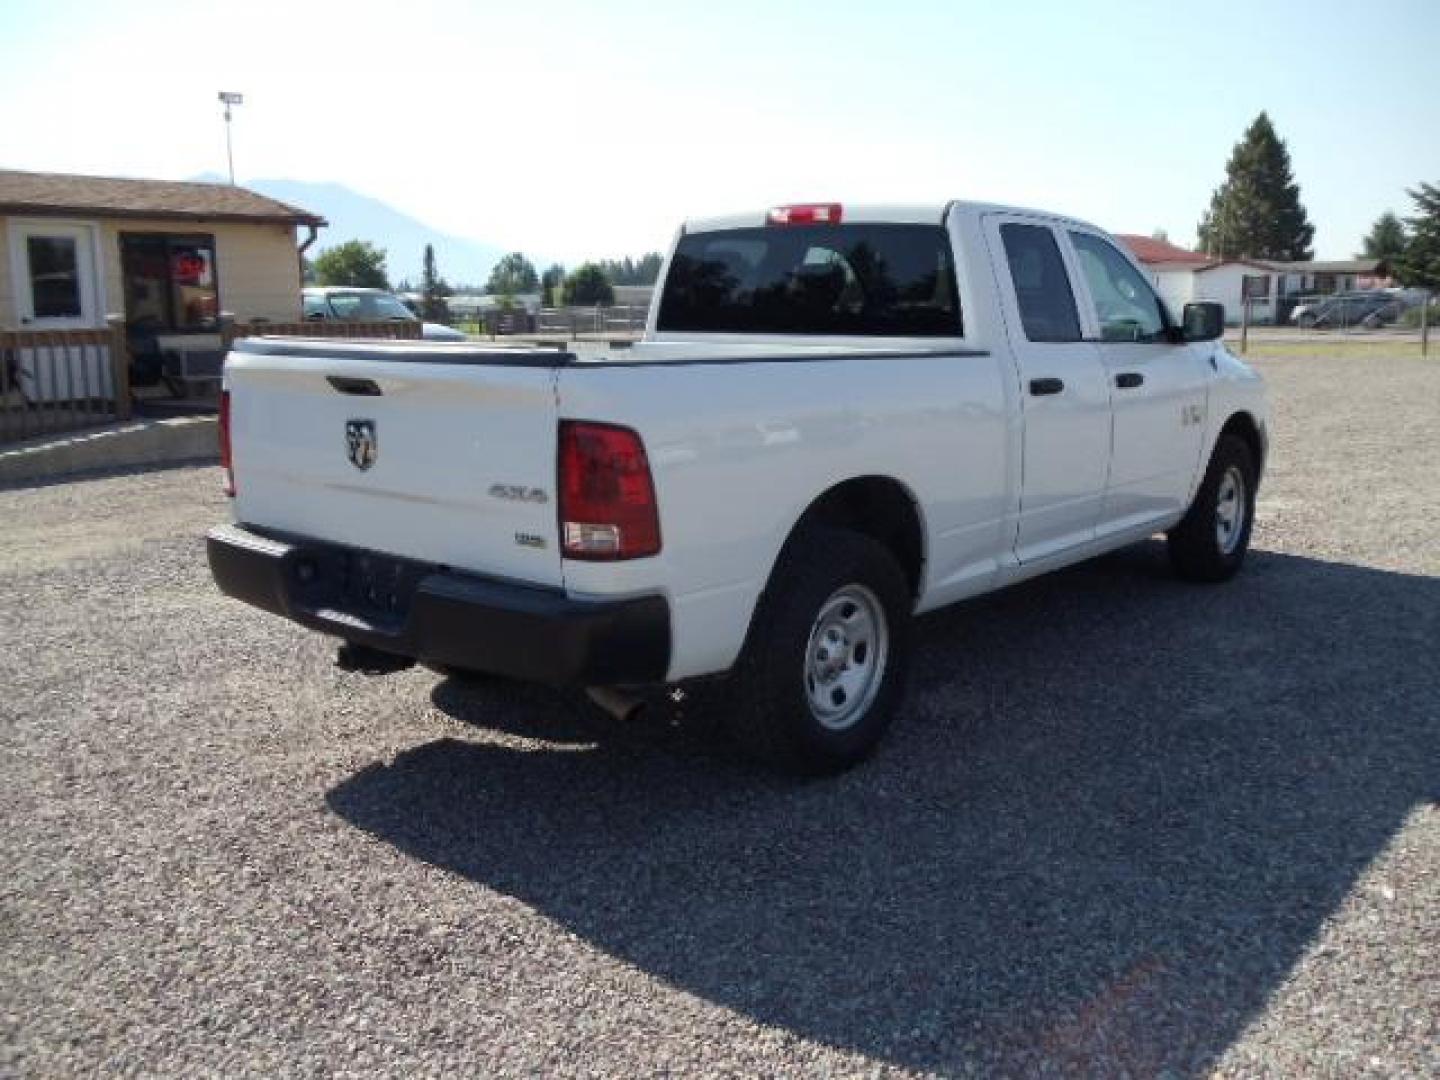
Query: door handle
point(1128, 380)
point(358, 387)
point(1041, 387)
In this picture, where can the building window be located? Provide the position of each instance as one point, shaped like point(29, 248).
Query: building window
point(54, 276)
point(170, 282)
point(1255, 287)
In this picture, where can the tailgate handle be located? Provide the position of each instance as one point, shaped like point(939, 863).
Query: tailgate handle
point(358, 387)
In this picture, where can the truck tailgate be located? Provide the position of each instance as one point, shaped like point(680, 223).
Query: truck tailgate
point(449, 460)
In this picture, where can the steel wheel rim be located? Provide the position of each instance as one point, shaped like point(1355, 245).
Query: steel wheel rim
point(845, 657)
point(1230, 511)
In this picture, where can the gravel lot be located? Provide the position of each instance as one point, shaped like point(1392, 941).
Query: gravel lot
point(1126, 826)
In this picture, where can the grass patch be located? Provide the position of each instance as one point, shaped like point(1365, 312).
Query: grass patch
point(1358, 349)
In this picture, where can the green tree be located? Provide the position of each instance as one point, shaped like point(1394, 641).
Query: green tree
point(513, 274)
point(589, 285)
point(1419, 266)
point(1386, 240)
point(1256, 213)
point(433, 290)
point(358, 263)
point(550, 284)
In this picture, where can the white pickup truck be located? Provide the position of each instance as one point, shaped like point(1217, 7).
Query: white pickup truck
point(839, 417)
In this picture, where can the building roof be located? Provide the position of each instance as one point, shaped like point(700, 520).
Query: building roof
point(50, 194)
point(1334, 266)
point(1149, 250)
point(1254, 264)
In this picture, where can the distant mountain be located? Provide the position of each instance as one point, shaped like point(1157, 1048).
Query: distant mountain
point(353, 216)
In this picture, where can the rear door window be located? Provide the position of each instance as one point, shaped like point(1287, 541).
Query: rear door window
point(1042, 287)
point(880, 280)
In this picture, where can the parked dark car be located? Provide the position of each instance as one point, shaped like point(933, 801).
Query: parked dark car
point(1370, 309)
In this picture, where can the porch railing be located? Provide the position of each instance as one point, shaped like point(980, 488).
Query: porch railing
point(323, 328)
point(54, 381)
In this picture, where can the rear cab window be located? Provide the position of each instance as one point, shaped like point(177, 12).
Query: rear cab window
point(862, 279)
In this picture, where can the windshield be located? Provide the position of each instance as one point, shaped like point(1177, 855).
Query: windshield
point(363, 307)
point(863, 279)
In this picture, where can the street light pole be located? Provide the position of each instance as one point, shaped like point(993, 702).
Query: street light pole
point(229, 98)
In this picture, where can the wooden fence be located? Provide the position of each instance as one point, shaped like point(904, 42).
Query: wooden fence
point(394, 330)
point(574, 321)
point(53, 381)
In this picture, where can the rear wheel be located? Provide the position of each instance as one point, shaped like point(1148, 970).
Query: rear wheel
point(1211, 540)
point(823, 670)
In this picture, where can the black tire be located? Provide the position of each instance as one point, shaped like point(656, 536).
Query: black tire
point(772, 717)
point(1199, 548)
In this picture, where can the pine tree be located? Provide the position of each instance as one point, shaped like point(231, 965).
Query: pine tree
point(1419, 266)
point(1256, 213)
point(433, 290)
point(550, 284)
point(1386, 240)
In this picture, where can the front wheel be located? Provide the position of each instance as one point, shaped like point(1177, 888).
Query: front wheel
point(823, 670)
point(1211, 540)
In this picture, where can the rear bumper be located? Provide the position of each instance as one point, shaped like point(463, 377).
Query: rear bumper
point(445, 616)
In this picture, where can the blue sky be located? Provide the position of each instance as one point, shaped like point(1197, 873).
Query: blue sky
point(591, 129)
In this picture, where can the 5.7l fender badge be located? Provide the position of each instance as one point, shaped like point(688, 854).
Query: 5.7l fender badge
point(519, 493)
point(362, 443)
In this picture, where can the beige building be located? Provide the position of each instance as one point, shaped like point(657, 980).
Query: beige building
point(166, 257)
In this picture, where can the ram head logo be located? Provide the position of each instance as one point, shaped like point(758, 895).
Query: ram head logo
point(362, 445)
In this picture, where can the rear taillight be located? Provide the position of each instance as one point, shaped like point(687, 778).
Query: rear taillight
point(607, 496)
point(806, 214)
point(225, 462)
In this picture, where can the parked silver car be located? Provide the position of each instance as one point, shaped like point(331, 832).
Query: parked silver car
point(344, 303)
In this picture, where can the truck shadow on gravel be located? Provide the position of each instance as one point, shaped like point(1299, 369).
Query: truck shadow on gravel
point(1116, 811)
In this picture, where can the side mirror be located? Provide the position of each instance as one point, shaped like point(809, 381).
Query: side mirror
point(1203, 321)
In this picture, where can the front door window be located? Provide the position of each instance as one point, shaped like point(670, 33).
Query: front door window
point(170, 282)
point(1125, 304)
